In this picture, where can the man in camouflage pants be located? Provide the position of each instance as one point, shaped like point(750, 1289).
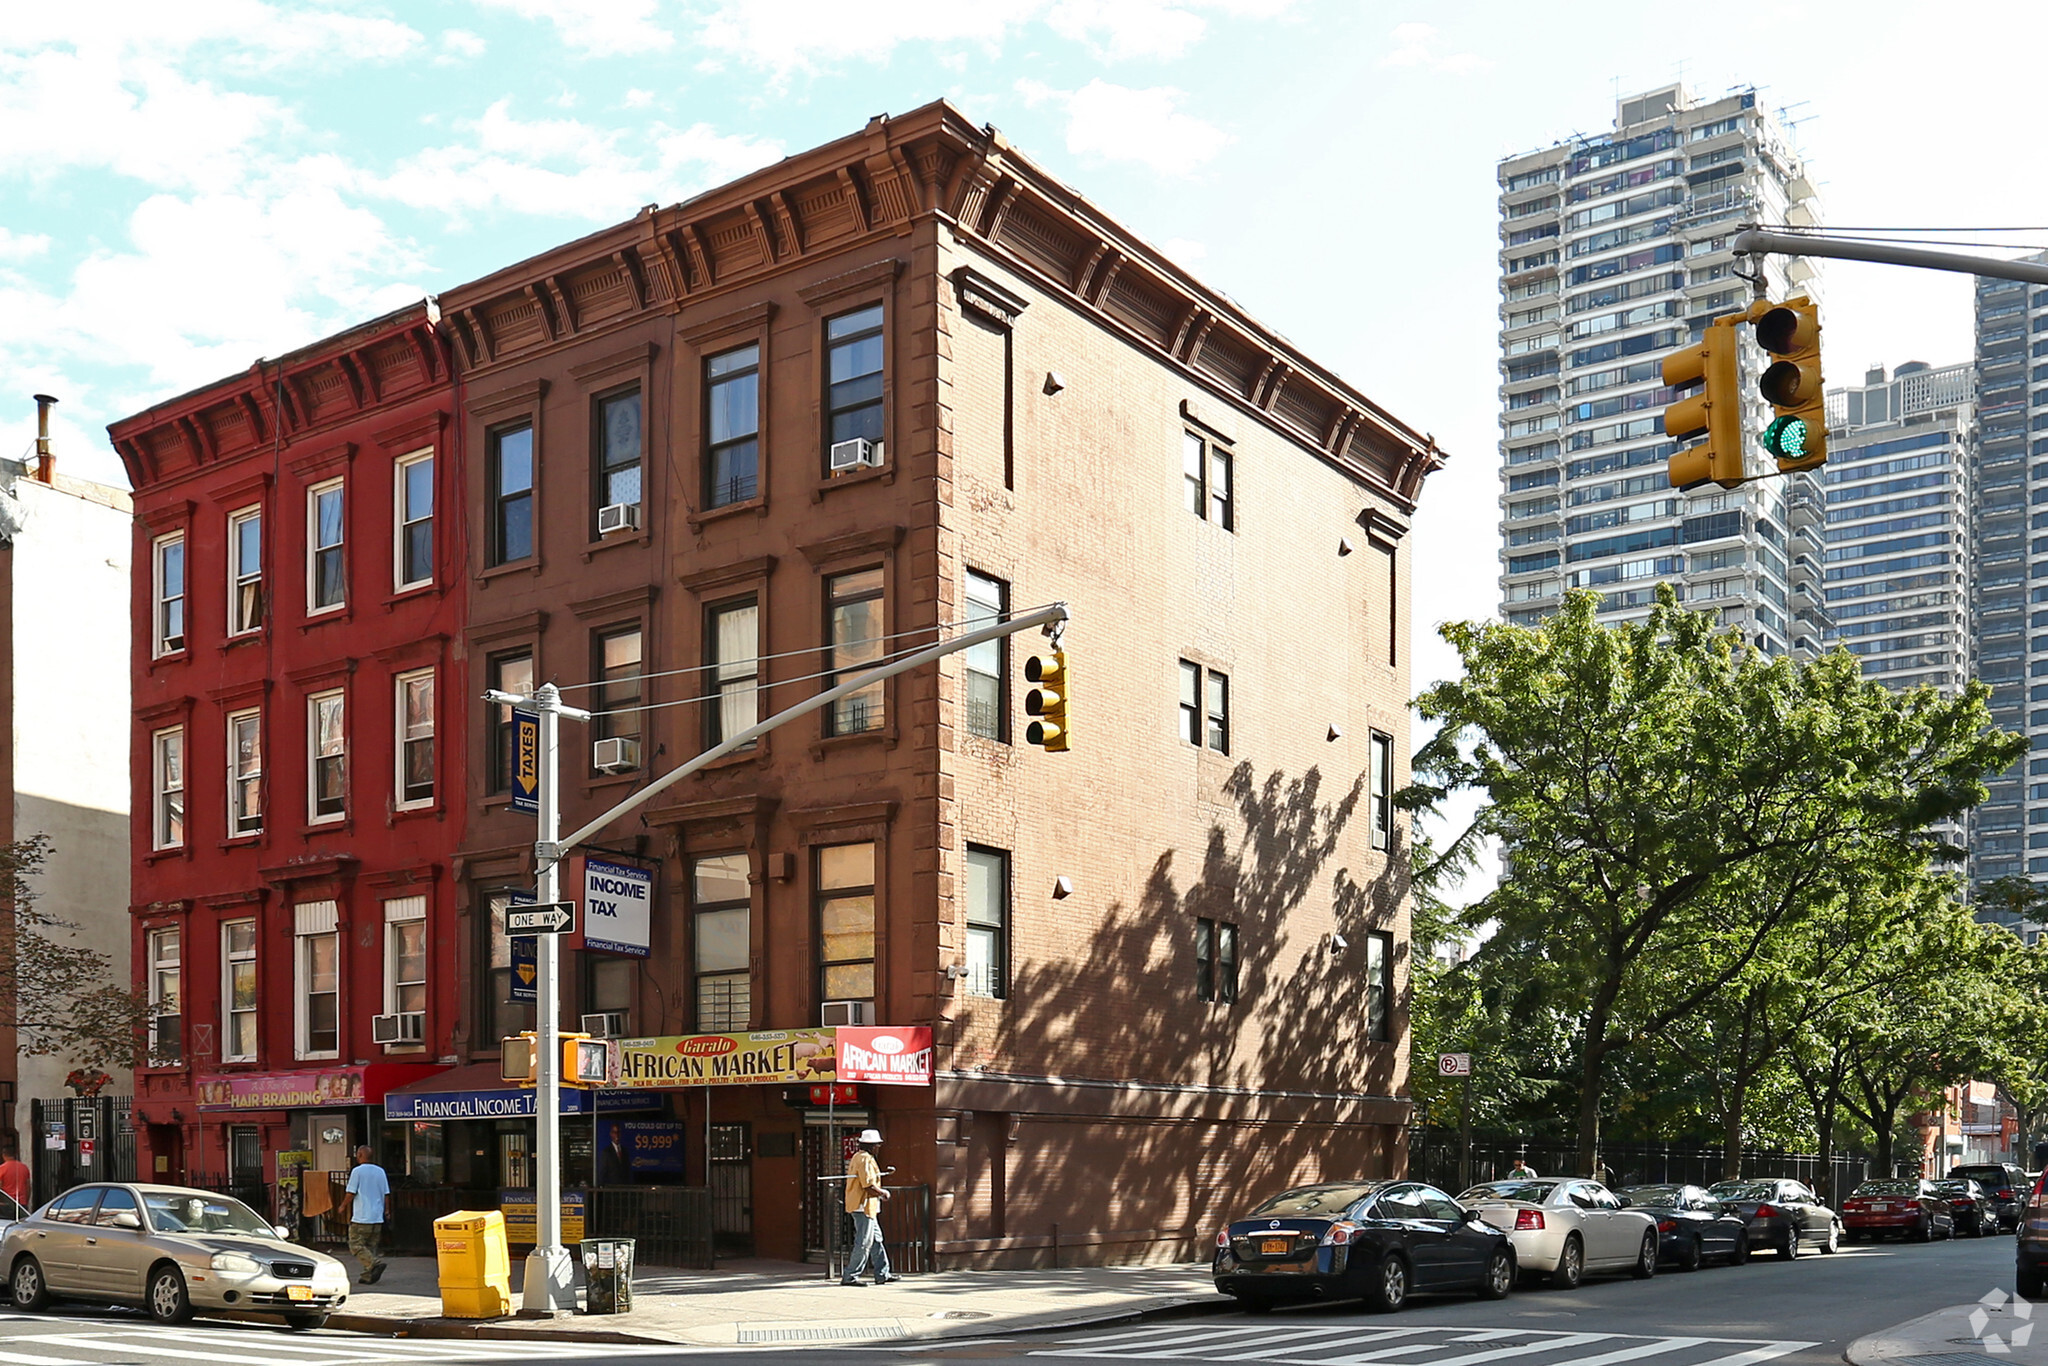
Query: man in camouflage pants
point(369, 1191)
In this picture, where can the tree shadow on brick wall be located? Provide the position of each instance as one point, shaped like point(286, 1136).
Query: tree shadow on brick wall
point(1129, 1011)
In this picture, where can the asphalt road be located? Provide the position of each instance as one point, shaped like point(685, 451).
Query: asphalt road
point(1768, 1313)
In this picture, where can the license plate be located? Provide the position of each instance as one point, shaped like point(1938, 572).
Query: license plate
point(1275, 1247)
point(298, 1292)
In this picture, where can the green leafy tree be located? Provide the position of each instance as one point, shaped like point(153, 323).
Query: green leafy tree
point(59, 993)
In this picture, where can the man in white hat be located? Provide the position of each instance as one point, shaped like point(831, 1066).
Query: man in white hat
point(864, 1196)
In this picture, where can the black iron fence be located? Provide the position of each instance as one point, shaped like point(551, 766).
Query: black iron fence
point(670, 1225)
point(906, 1232)
point(78, 1138)
point(1433, 1156)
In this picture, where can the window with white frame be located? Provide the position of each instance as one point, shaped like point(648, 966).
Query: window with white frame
point(326, 573)
point(245, 773)
point(238, 991)
point(412, 538)
point(732, 642)
point(988, 915)
point(316, 945)
point(166, 981)
point(1379, 986)
point(170, 593)
point(245, 571)
point(405, 956)
point(167, 783)
point(1382, 790)
point(722, 911)
point(327, 743)
point(415, 757)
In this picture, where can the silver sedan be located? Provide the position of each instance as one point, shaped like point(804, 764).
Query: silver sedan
point(1565, 1227)
point(168, 1249)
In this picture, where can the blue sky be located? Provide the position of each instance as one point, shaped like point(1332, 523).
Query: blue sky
point(184, 188)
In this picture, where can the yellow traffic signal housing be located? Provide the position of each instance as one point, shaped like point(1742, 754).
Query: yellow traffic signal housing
point(1047, 701)
point(1715, 412)
point(585, 1061)
point(1792, 384)
point(515, 1059)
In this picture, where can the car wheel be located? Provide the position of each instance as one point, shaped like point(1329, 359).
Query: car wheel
point(305, 1323)
point(167, 1300)
point(1925, 1232)
point(1571, 1264)
point(31, 1292)
point(1976, 1227)
point(2027, 1283)
point(1500, 1275)
point(1387, 1288)
point(1646, 1257)
point(1855, 1235)
point(1255, 1304)
point(1833, 1242)
point(1689, 1255)
point(1739, 1254)
point(1788, 1246)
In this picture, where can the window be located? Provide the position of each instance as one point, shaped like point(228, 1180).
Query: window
point(413, 538)
point(732, 425)
point(608, 984)
point(511, 494)
point(317, 949)
point(1382, 791)
point(1379, 986)
point(167, 821)
point(618, 692)
point(616, 441)
point(1215, 960)
point(507, 1016)
point(1204, 710)
point(328, 744)
point(1205, 479)
point(846, 922)
point(853, 397)
point(732, 648)
point(988, 917)
point(853, 610)
point(511, 673)
point(238, 991)
point(405, 956)
point(245, 571)
point(722, 915)
point(415, 739)
point(170, 594)
point(988, 672)
point(166, 975)
point(326, 575)
point(117, 1209)
point(245, 773)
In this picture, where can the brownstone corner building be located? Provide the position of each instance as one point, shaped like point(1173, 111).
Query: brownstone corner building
point(733, 449)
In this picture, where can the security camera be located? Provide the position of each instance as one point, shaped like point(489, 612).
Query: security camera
point(1337, 941)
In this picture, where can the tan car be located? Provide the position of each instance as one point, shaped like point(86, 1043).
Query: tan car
point(168, 1249)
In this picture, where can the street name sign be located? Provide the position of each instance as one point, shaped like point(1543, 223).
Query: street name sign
point(549, 917)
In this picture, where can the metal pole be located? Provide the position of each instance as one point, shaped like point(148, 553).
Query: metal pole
point(832, 1207)
point(1765, 242)
point(1465, 1136)
point(550, 1279)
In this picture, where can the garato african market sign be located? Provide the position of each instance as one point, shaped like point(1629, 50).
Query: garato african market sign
point(763, 1055)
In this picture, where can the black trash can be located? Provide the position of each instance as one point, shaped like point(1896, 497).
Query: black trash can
point(608, 1274)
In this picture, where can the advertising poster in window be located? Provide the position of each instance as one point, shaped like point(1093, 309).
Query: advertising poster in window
point(618, 904)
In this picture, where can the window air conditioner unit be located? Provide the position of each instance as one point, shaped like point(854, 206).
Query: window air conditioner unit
point(618, 517)
point(620, 754)
point(406, 1027)
point(605, 1024)
point(855, 454)
point(845, 1013)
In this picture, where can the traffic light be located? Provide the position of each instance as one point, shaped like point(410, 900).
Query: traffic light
point(1047, 701)
point(585, 1061)
point(1715, 411)
point(515, 1059)
point(1791, 384)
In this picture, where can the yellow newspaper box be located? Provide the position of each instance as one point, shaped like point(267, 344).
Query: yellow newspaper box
point(476, 1271)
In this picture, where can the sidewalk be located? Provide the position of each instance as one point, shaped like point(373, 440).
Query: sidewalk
point(1997, 1328)
point(749, 1302)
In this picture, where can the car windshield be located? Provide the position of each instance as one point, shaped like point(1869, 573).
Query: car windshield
point(1952, 1187)
point(172, 1212)
point(1652, 1195)
point(1888, 1188)
point(1990, 1175)
point(1316, 1199)
point(1535, 1192)
point(1743, 1190)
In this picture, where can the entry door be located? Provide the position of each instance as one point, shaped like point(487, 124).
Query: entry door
point(825, 1155)
point(732, 1189)
point(245, 1157)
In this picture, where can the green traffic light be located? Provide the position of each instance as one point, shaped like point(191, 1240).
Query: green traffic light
point(1786, 438)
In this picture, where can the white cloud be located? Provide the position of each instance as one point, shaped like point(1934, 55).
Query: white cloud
point(637, 98)
point(1117, 123)
point(16, 246)
point(241, 35)
point(599, 28)
point(1416, 45)
point(460, 42)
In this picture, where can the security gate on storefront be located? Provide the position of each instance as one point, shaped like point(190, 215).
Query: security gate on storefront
point(79, 1138)
point(732, 1189)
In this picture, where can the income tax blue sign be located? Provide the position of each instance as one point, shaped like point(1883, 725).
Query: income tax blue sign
point(526, 761)
point(618, 906)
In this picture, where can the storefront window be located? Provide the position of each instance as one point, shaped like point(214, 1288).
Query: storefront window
point(505, 1015)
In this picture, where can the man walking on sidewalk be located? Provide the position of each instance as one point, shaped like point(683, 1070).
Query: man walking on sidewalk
point(864, 1197)
point(368, 1191)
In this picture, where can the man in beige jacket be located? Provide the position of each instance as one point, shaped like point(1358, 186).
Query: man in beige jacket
point(864, 1196)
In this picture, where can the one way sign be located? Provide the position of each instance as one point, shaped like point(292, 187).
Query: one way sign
point(551, 917)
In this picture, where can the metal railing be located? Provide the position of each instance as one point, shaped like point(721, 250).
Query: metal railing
point(906, 1232)
point(670, 1225)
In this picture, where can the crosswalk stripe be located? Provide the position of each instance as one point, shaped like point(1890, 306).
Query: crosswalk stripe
point(1765, 1352)
point(1293, 1340)
point(30, 1359)
point(272, 1341)
point(1647, 1348)
point(1558, 1343)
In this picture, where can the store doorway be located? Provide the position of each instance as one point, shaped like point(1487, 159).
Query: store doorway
point(826, 1153)
point(732, 1189)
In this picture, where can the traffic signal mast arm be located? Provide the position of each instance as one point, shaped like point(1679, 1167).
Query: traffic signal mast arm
point(1754, 241)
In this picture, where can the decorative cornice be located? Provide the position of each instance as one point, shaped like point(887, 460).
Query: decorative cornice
point(718, 576)
point(853, 543)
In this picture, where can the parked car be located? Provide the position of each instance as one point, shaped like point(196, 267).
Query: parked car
point(2031, 1280)
point(1379, 1241)
point(1564, 1227)
point(2005, 1184)
point(1905, 1208)
point(1784, 1216)
point(171, 1250)
point(1974, 1213)
point(1691, 1225)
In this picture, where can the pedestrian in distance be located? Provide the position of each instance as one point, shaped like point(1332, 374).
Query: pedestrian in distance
point(1521, 1171)
point(14, 1183)
point(864, 1196)
point(369, 1193)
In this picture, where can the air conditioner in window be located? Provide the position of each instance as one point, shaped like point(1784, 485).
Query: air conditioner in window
point(620, 754)
point(618, 517)
point(845, 1013)
point(605, 1024)
point(855, 454)
point(408, 1026)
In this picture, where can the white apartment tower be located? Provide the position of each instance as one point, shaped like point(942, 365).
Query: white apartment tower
point(1614, 253)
